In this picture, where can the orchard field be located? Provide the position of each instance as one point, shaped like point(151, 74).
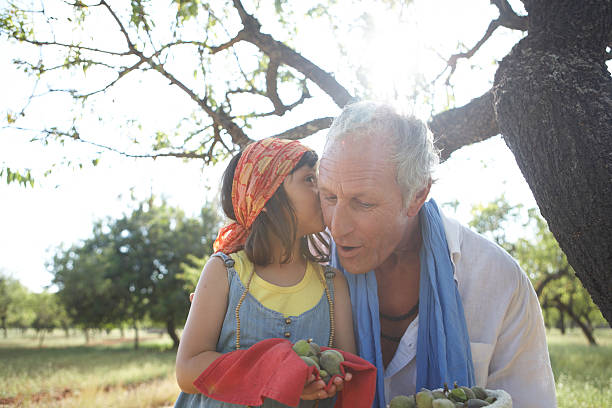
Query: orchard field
point(108, 372)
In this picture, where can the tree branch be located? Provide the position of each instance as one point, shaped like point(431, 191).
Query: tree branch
point(239, 37)
point(130, 44)
point(271, 86)
point(121, 74)
point(74, 135)
point(218, 116)
point(508, 18)
point(550, 277)
point(452, 61)
point(462, 126)
point(306, 129)
point(285, 55)
point(73, 46)
point(181, 154)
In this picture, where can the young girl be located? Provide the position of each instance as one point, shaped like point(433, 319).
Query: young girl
point(264, 280)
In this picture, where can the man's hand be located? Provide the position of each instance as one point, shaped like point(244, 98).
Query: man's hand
point(191, 297)
point(314, 389)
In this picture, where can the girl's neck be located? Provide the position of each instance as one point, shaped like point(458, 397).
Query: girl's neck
point(284, 274)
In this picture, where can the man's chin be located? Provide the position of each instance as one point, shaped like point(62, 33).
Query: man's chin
point(353, 266)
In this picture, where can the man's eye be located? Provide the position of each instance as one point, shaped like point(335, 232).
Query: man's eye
point(365, 205)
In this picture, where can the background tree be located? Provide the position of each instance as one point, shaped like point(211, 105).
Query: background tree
point(550, 98)
point(181, 240)
point(85, 288)
point(131, 268)
point(538, 253)
point(47, 312)
point(13, 304)
point(554, 279)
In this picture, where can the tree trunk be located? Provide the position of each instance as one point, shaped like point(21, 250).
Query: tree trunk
point(136, 340)
point(171, 329)
point(86, 332)
point(553, 103)
point(4, 326)
point(585, 329)
point(561, 323)
point(122, 331)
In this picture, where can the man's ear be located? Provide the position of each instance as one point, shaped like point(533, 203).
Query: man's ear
point(418, 201)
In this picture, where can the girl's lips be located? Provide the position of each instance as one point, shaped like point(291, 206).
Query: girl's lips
point(348, 251)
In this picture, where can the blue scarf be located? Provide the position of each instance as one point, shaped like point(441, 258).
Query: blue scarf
point(443, 347)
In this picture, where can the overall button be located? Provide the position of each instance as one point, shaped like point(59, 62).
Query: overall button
point(287, 334)
point(288, 321)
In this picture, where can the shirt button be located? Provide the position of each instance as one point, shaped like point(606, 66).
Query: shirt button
point(288, 321)
point(287, 334)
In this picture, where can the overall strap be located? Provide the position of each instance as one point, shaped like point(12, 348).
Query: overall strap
point(229, 264)
point(330, 273)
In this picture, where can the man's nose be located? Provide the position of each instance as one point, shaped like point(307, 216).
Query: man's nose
point(341, 222)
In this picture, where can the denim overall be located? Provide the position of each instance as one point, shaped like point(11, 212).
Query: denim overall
point(259, 323)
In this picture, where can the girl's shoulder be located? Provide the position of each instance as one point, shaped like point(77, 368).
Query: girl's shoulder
point(215, 269)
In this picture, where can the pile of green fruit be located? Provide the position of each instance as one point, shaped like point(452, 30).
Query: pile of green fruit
point(458, 397)
point(327, 361)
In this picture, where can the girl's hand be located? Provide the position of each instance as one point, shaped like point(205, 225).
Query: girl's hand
point(315, 389)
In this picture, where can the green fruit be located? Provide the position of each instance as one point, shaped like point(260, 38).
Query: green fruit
point(315, 350)
point(479, 392)
point(424, 398)
point(438, 395)
point(469, 394)
point(315, 359)
point(301, 347)
point(402, 401)
point(457, 395)
point(330, 361)
point(459, 405)
point(490, 400)
point(475, 403)
point(310, 362)
point(323, 373)
point(442, 403)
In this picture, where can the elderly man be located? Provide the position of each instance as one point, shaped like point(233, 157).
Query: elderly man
point(433, 302)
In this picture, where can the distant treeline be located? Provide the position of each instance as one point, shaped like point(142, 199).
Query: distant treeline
point(141, 267)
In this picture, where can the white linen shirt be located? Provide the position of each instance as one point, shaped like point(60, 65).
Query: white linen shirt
point(504, 322)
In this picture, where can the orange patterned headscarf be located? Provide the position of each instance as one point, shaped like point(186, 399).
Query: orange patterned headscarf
point(262, 168)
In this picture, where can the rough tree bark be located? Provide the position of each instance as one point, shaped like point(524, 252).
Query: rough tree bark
point(553, 104)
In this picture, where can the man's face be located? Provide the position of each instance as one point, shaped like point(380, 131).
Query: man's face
point(361, 201)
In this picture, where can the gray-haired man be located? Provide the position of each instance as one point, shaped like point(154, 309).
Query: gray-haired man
point(432, 301)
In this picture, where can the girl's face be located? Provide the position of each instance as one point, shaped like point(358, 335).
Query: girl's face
point(301, 188)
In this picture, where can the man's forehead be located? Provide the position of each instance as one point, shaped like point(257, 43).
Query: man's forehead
point(354, 168)
point(356, 153)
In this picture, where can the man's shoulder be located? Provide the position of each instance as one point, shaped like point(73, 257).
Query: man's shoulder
point(476, 256)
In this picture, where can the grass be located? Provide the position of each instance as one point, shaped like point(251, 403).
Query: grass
point(108, 372)
point(583, 374)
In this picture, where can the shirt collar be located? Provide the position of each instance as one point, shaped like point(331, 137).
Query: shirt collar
point(453, 231)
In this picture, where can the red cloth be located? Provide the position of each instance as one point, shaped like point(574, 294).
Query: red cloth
point(261, 169)
point(271, 369)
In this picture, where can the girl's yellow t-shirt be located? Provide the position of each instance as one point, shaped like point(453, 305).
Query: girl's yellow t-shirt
point(288, 300)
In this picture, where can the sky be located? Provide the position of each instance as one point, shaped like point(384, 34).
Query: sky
point(61, 208)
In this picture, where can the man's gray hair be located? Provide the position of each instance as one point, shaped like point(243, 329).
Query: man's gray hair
point(415, 155)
